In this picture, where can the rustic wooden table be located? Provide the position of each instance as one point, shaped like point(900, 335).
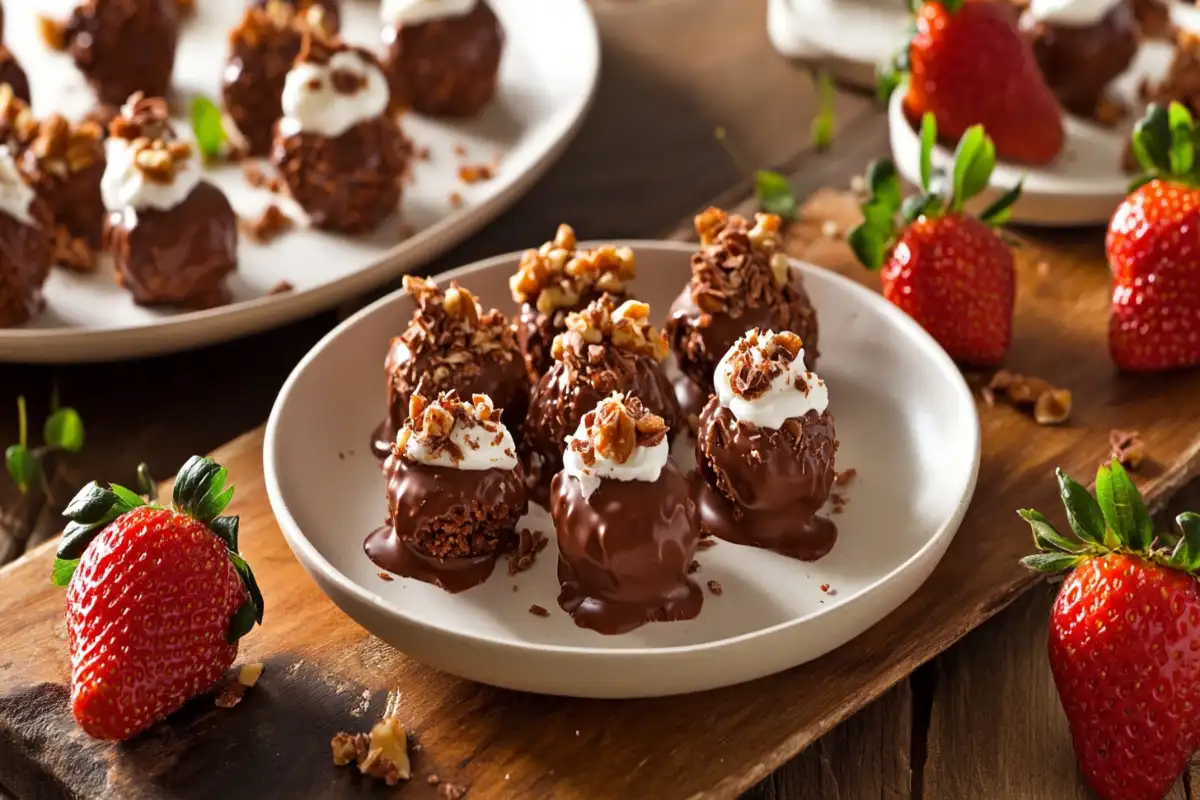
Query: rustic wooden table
point(981, 720)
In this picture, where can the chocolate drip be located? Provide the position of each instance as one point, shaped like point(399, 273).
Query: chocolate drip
point(624, 552)
point(763, 487)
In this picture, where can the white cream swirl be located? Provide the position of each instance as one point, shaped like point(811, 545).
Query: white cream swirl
point(416, 12)
point(484, 445)
point(312, 103)
point(1073, 13)
point(125, 185)
point(792, 393)
point(644, 464)
point(16, 195)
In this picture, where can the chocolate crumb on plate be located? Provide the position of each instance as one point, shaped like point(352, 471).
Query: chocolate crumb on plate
point(456, 200)
point(538, 611)
point(844, 477)
point(706, 543)
point(283, 287)
point(715, 587)
point(693, 567)
point(386, 576)
point(529, 544)
point(269, 225)
point(475, 173)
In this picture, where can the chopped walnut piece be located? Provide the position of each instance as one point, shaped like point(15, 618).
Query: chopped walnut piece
point(1127, 447)
point(759, 357)
point(269, 225)
point(436, 421)
point(232, 693)
point(627, 327)
point(740, 264)
point(249, 674)
point(451, 791)
point(474, 173)
point(1050, 405)
point(556, 275)
point(619, 425)
point(53, 32)
point(382, 753)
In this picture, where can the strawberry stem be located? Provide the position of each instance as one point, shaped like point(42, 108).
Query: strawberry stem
point(22, 423)
point(1164, 142)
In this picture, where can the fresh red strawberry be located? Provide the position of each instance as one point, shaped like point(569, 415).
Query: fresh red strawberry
point(946, 269)
point(1153, 248)
point(157, 599)
point(1124, 635)
point(968, 65)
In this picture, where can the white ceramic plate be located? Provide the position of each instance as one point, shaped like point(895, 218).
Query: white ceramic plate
point(548, 76)
point(906, 421)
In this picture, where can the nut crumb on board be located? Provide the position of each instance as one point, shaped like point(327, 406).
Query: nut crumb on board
point(1049, 404)
point(382, 753)
point(1127, 447)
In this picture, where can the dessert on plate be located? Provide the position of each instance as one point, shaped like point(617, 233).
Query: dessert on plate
point(172, 235)
point(455, 492)
point(26, 243)
point(262, 48)
point(555, 280)
point(606, 348)
point(740, 280)
point(124, 46)
point(1081, 46)
point(12, 75)
point(328, 12)
point(442, 56)
point(766, 448)
point(627, 526)
point(338, 145)
point(451, 344)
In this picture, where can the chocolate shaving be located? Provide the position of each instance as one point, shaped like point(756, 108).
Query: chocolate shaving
point(740, 264)
point(757, 360)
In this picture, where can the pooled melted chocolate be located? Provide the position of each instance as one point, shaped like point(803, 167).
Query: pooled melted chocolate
point(763, 487)
point(624, 552)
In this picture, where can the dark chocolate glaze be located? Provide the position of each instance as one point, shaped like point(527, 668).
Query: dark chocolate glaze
point(763, 487)
point(692, 396)
point(469, 515)
point(12, 74)
point(351, 183)
point(445, 67)
point(75, 198)
point(123, 47)
point(26, 253)
point(1079, 62)
point(558, 403)
point(624, 552)
point(252, 84)
point(332, 8)
point(178, 257)
point(700, 340)
point(504, 381)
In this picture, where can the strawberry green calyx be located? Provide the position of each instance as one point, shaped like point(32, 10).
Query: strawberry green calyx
point(974, 160)
point(1115, 520)
point(200, 492)
point(1165, 141)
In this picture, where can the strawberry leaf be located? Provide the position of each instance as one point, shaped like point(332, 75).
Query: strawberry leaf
point(1045, 536)
point(928, 140)
point(127, 497)
point(200, 489)
point(1124, 512)
point(951, 6)
point(226, 529)
point(63, 570)
point(242, 621)
point(208, 127)
point(883, 182)
point(869, 246)
point(775, 194)
point(1187, 551)
point(23, 466)
point(1000, 211)
point(974, 159)
point(1183, 150)
point(64, 430)
point(1051, 562)
point(891, 74)
point(823, 122)
point(1083, 512)
point(94, 503)
point(919, 205)
point(1151, 140)
point(253, 594)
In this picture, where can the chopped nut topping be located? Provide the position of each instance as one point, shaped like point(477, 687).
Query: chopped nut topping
point(626, 327)
point(17, 123)
point(232, 693)
point(143, 118)
point(53, 32)
point(249, 674)
point(435, 422)
point(269, 225)
point(1127, 447)
point(758, 359)
point(739, 265)
point(1050, 405)
point(259, 23)
point(382, 754)
point(73, 252)
point(556, 275)
point(619, 425)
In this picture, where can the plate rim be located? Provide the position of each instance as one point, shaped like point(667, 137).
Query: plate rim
point(212, 326)
point(311, 558)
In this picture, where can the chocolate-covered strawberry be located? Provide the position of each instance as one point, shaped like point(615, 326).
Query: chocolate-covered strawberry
point(131, 567)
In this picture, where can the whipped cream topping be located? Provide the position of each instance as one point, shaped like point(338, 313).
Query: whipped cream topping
point(589, 465)
point(16, 195)
point(125, 185)
point(315, 101)
point(473, 443)
point(792, 391)
point(416, 12)
point(1071, 12)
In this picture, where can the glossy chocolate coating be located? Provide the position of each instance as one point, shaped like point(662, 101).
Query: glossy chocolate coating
point(503, 381)
point(12, 74)
point(762, 486)
point(178, 257)
point(445, 67)
point(124, 46)
point(624, 552)
point(252, 84)
point(700, 339)
point(558, 404)
point(332, 9)
point(1079, 62)
point(469, 515)
point(26, 254)
point(74, 199)
point(350, 183)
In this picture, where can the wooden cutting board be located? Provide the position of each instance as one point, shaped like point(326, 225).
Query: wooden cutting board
point(325, 674)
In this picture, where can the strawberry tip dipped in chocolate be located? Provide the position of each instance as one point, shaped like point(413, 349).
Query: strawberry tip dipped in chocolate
point(948, 270)
point(129, 565)
point(172, 234)
point(1124, 642)
point(766, 448)
point(338, 146)
point(968, 65)
point(1151, 245)
point(442, 56)
point(626, 524)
